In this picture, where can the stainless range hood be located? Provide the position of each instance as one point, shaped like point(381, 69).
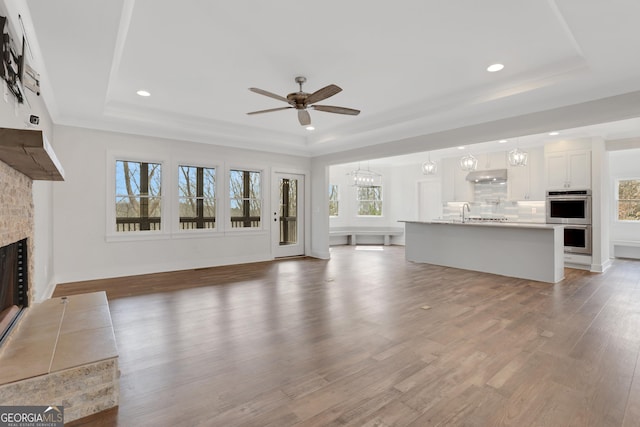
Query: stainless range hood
point(493, 175)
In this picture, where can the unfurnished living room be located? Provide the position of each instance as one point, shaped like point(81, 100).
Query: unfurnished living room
point(300, 213)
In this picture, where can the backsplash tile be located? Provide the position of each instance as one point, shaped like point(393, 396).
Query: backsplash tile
point(490, 201)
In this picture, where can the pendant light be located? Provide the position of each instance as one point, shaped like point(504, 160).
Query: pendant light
point(365, 177)
point(429, 167)
point(468, 163)
point(518, 157)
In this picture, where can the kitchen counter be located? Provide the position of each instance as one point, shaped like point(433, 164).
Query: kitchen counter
point(533, 251)
point(489, 223)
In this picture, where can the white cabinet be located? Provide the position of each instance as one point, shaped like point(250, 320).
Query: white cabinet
point(568, 170)
point(494, 160)
point(455, 187)
point(526, 182)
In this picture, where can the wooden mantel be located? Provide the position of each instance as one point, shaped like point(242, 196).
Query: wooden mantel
point(29, 152)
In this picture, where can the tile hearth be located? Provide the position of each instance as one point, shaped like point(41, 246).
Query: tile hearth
point(63, 352)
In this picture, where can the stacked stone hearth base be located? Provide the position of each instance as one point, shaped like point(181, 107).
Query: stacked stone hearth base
point(62, 353)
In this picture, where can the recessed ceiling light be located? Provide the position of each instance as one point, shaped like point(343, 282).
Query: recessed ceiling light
point(143, 93)
point(502, 141)
point(461, 147)
point(554, 133)
point(310, 128)
point(494, 67)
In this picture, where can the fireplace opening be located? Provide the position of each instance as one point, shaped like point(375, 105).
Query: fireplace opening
point(13, 285)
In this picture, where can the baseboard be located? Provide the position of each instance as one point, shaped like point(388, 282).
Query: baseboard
point(159, 268)
point(47, 293)
point(320, 255)
point(601, 268)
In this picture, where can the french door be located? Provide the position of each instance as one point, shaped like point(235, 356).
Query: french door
point(287, 215)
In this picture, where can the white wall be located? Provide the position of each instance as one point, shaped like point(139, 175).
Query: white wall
point(15, 115)
point(80, 206)
point(348, 206)
point(399, 199)
point(623, 164)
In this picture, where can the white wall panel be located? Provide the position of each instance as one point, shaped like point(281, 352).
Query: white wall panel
point(80, 208)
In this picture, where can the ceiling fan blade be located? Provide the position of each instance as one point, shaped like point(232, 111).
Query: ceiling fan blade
point(304, 118)
point(269, 110)
point(338, 110)
point(323, 93)
point(269, 94)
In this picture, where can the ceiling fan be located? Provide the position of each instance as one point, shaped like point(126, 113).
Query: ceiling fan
point(301, 101)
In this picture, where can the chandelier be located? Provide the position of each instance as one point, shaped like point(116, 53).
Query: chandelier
point(365, 178)
point(429, 167)
point(468, 163)
point(517, 157)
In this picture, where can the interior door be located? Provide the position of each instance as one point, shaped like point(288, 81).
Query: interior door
point(287, 204)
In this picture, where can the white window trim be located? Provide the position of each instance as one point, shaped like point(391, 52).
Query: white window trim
point(111, 235)
point(616, 200)
point(176, 231)
point(370, 216)
point(264, 185)
point(337, 201)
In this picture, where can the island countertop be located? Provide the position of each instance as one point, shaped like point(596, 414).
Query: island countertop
point(533, 251)
point(539, 225)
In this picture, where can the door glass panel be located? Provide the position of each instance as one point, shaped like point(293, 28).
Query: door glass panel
point(288, 211)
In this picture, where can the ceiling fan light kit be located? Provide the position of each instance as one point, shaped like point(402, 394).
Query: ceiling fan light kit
point(302, 101)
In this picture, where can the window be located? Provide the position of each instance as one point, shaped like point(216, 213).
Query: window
point(138, 196)
point(333, 200)
point(245, 198)
point(629, 200)
point(370, 201)
point(196, 197)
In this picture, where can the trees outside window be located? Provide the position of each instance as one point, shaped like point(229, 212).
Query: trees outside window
point(197, 197)
point(333, 200)
point(245, 198)
point(138, 196)
point(370, 201)
point(628, 196)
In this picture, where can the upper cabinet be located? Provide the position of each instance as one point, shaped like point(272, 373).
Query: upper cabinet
point(494, 160)
point(455, 187)
point(568, 170)
point(526, 182)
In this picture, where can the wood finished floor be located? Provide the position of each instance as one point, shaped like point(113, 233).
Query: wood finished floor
point(306, 342)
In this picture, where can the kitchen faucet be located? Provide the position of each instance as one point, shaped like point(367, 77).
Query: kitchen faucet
point(465, 205)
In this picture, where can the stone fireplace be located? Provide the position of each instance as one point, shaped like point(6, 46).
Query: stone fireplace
point(62, 351)
point(16, 222)
point(14, 284)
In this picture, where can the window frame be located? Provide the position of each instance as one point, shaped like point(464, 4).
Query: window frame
point(218, 201)
point(110, 224)
point(264, 185)
point(337, 200)
point(616, 197)
point(358, 201)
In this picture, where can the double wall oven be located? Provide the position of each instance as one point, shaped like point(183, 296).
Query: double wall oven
point(572, 208)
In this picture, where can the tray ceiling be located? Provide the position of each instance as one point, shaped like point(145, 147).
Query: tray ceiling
point(413, 67)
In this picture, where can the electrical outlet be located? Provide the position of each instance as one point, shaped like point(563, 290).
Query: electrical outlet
point(533, 211)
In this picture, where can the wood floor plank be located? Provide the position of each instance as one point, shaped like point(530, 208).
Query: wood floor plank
point(345, 341)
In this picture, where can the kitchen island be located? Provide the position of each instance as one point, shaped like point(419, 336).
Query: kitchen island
point(531, 251)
